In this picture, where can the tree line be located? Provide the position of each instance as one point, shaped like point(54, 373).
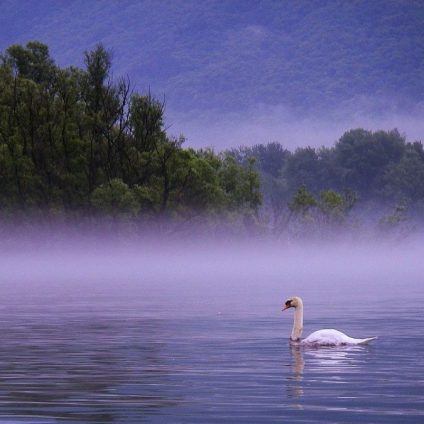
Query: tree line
point(365, 175)
point(76, 143)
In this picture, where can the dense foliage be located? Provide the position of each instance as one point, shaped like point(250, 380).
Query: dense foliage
point(75, 142)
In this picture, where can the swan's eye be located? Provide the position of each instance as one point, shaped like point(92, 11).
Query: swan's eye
point(288, 303)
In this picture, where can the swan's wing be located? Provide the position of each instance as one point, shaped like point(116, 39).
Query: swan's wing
point(326, 337)
point(331, 337)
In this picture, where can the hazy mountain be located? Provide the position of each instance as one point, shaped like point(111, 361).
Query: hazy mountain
point(246, 63)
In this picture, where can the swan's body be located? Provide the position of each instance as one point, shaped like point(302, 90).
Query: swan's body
point(326, 337)
point(330, 337)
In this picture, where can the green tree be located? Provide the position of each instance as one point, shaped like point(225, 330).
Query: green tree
point(319, 217)
point(364, 157)
point(240, 184)
point(115, 199)
point(303, 168)
point(146, 122)
point(97, 91)
point(302, 202)
point(404, 180)
point(335, 206)
point(32, 62)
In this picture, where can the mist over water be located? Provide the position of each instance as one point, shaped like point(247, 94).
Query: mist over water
point(191, 330)
point(188, 260)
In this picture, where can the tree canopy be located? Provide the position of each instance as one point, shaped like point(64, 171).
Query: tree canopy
point(76, 141)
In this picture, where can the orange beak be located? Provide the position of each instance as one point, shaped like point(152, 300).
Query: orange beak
point(285, 307)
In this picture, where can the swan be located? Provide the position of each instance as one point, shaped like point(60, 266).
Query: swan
point(326, 337)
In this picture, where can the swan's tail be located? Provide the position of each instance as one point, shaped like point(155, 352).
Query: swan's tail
point(367, 340)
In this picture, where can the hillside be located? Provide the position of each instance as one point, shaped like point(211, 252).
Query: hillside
point(233, 56)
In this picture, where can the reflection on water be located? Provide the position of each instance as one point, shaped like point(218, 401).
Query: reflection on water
point(340, 359)
point(81, 368)
point(294, 383)
point(331, 362)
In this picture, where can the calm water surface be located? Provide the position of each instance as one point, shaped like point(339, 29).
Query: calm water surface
point(130, 352)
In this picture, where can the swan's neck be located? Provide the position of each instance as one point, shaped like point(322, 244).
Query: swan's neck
point(297, 323)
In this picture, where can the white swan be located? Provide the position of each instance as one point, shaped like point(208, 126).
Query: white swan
point(326, 337)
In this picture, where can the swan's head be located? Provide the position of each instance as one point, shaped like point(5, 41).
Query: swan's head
point(293, 302)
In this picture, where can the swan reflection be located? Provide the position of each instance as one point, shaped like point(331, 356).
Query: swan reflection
point(295, 379)
point(335, 360)
point(337, 363)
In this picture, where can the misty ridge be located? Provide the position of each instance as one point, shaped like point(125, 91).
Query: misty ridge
point(307, 55)
point(299, 73)
point(81, 148)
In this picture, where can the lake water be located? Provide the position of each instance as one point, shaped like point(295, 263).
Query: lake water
point(207, 342)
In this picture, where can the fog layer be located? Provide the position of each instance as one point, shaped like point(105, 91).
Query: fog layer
point(207, 269)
